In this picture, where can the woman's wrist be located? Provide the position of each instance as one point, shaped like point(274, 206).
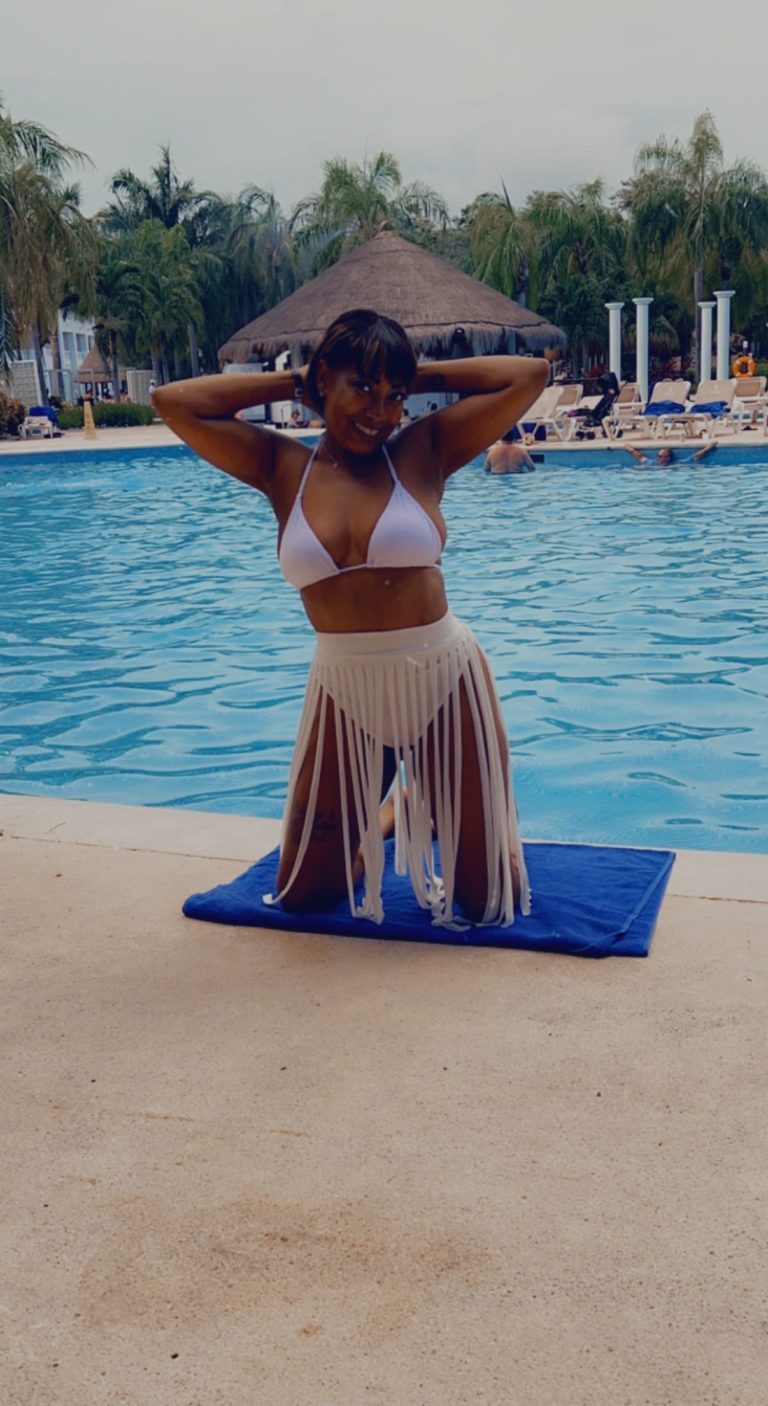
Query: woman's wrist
point(430, 376)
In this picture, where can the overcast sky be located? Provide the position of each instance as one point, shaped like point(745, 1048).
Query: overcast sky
point(466, 93)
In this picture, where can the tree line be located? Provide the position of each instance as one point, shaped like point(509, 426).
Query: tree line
point(169, 272)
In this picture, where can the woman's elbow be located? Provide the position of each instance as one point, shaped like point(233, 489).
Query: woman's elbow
point(164, 402)
point(540, 371)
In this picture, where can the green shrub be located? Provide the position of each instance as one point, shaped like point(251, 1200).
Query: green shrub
point(12, 413)
point(107, 413)
point(115, 413)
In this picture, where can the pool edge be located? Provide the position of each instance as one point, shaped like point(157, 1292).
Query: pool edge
point(705, 874)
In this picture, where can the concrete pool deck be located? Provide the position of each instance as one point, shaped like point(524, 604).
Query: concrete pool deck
point(245, 1167)
point(159, 435)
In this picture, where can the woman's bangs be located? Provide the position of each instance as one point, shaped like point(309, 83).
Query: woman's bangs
point(381, 355)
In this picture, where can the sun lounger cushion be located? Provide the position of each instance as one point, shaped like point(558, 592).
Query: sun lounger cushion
point(588, 901)
point(663, 407)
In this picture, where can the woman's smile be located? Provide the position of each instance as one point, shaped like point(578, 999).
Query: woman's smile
point(363, 430)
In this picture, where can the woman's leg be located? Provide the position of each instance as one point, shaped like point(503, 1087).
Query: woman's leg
point(321, 879)
point(486, 753)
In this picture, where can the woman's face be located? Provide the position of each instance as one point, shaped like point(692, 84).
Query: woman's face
point(359, 415)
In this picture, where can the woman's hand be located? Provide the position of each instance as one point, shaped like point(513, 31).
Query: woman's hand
point(497, 391)
point(306, 398)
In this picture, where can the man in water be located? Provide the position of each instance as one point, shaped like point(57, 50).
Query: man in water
point(665, 456)
point(508, 456)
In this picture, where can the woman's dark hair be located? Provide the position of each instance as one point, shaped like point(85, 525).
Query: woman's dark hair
point(511, 436)
point(374, 345)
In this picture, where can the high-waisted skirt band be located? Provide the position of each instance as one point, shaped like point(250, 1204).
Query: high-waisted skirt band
point(402, 689)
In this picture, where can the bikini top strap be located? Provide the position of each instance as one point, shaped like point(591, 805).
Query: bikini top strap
point(395, 479)
point(305, 475)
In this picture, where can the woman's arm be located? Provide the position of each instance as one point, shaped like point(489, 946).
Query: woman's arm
point(497, 390)
point(202, 412)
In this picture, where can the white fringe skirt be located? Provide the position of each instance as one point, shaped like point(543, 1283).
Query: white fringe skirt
point(401, 689)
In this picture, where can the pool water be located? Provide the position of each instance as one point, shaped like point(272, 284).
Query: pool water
point(150, 652)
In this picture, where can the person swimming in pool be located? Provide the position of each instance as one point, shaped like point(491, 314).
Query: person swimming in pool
point(665, 456)
point(402, 728)
point(508, 456)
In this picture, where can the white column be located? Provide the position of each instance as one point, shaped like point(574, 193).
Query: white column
point(641, 348)
point(614, 338)
point(724, 332)
point(705, 350)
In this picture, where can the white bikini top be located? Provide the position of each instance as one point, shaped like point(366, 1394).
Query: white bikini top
point(404, 535)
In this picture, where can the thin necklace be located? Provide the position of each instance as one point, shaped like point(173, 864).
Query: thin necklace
point(324, 445)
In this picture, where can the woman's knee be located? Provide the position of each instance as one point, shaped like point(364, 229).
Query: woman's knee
point(472, 891)
point(308, 895)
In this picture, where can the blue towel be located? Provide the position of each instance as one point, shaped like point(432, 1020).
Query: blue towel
point(588, 901)
point(664, 407)
point(712, 407)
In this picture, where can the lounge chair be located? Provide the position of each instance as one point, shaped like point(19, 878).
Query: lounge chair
point(626, 405)
point(541, 413)
point(709, 409)
point(665, 394)
point(40, 422)
point(748, 401)
point(570, 400)
point(570, 395)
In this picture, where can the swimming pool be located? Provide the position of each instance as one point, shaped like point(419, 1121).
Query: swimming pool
point(150, 652)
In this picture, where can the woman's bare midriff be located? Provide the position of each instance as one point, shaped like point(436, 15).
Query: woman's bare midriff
point(379, 598)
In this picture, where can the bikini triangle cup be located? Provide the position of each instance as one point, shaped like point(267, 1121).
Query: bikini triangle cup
point(404, 535)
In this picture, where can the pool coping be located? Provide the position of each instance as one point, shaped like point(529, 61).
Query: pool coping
point(159, 436)
point(735, 876)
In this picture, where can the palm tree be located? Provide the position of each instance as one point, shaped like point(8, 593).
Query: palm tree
point(249, 264)
point(259, 243)
point(686, 204)
point(116, 302)
point(25, 141)
point(503, 244)
point(563, 252)
point(358, 200)
point(164, 197)
point(46, 244)
point(44, 238)
point(170, 300)
point(173, 203)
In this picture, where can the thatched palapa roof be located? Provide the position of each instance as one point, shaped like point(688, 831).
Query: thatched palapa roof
point(94, 369)
point(432, 300)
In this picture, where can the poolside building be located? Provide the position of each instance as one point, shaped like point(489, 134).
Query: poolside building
point(76, 337)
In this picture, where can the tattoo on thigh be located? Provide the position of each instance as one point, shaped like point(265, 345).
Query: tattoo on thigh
point(324, 823)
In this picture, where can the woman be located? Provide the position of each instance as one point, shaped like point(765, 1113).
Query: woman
point(399, 691)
